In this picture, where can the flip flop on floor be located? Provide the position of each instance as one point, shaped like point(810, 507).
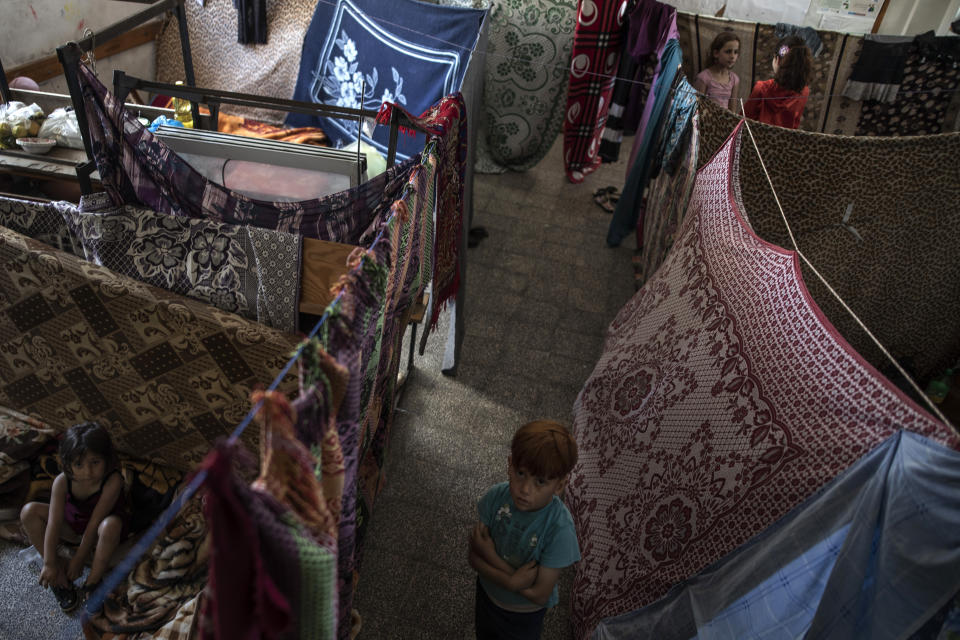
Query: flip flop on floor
point(606, 198)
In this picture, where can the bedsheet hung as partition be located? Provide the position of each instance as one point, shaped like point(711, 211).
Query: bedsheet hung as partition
point(165, 374)
point(264, 69)
point(593, 68)
point(361, 53)
point(246, 270)
point(874, 227)
point(722, 400)
point(890, 521)
point(526, 74)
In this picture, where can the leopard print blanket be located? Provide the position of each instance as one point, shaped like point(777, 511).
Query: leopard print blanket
point(876, 216)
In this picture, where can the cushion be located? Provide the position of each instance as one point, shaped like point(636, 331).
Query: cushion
point(387, 44)
point(21, 436)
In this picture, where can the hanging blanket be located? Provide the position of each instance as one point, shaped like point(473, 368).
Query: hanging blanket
point(136, 168)
point(871, 556)
point(166, 375)
point(722, 400)
point(241, 269)
point(447, 121)
point(43, 221)
point(889, 258)
point(405, 51)
point(593, 67)
point(162, 589)
point(525, 82)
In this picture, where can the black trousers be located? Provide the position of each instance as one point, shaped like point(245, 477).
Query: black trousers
point(494, 623)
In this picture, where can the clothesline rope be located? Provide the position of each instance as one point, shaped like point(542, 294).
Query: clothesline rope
point(836, 295)
point(142, 545)
point(548, 67)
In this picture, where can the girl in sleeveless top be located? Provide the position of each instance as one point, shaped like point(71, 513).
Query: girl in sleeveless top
point(88, 498)
point(718, 82)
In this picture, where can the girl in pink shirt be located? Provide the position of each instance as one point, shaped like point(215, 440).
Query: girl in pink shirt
point(717, 81)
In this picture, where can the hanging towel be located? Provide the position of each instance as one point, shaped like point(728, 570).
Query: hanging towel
point(879, 70)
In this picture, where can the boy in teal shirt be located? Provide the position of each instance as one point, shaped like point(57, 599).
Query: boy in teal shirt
point(525, 536)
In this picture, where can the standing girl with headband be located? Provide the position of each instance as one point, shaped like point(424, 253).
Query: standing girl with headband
point(780, 100)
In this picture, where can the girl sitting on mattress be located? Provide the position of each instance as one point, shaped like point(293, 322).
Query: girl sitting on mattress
point(88, 498)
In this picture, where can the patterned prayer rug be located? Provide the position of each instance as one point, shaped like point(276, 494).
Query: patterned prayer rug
point(723, 398)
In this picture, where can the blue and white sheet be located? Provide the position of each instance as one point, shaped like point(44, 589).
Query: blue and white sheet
point(361, 53)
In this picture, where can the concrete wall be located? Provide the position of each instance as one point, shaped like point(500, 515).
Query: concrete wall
point(31, 29)
point(903, 17)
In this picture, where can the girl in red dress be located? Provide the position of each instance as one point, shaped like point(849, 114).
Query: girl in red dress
point(780, 100)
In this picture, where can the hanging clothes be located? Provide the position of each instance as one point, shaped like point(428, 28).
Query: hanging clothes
point(242, 599)
point(722, 400)
point(666, 204)
point(251, 21)
point(626, 213)
point(596, 51)
point(652, 25)
point(879, 70)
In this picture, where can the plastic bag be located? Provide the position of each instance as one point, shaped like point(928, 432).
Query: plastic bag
point(61, 125)
point(18, 120)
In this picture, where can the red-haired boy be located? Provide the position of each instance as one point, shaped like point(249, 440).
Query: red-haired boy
point(525, 535)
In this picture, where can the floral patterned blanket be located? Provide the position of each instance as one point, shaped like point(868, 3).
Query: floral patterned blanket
point(361, 53)
point(165, 374)
point(723, 399)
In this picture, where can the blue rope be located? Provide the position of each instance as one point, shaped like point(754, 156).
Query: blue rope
point(109, 583)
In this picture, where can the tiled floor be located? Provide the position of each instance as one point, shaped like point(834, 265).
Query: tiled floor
point(541, 291)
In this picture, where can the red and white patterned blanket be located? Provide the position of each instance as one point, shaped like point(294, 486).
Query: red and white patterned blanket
point(723, 399)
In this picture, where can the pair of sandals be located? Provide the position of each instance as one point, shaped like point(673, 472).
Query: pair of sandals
point(606, 198)
point(70, 597)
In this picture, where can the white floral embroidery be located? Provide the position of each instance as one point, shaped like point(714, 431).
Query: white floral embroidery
point(343, 81)
point(503, 512)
